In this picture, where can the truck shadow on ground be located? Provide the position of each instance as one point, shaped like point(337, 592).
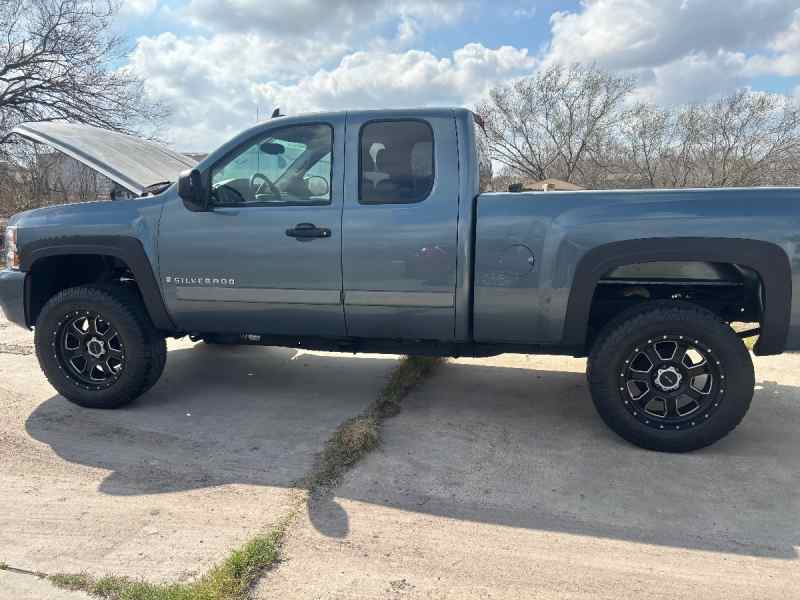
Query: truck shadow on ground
point(525, 449)
point(219, 415)
point(509, 446)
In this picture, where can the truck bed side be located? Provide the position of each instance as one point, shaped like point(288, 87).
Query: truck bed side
point(540, 256)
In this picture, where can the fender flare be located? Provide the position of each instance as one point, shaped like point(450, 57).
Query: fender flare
point(127, 249)
point(769, 260)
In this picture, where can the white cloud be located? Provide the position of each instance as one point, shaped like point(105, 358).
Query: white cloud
point(209, 83)
point(412, 78)
point(308, 55)
point(340, 18)
point(693, 78)
point(138, 8)
point(684, 51)
point(243, 54)
point(647, 33)
point(784, 59)
point(214, 86)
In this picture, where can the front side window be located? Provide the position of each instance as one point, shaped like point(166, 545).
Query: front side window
point(396, 165)
point(287, 166)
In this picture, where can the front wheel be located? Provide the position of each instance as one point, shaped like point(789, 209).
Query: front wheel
point(671, 376)
point(97, 347)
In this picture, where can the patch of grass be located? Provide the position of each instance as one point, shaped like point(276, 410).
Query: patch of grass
point(3, 566)
point(234, 578)
point(346, 446)
point(76, 582)
point(357, 436)
point(230, 580)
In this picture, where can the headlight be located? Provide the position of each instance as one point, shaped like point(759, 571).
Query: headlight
point(12, 256)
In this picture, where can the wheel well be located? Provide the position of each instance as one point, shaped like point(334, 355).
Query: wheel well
point(51, 274)
point(733, 292)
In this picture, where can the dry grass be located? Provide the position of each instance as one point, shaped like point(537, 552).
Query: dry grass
point(359, 435)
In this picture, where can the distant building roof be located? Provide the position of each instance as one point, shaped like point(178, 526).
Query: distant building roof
point(547, 185)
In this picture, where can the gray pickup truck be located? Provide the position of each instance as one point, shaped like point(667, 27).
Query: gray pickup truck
point(366, 232)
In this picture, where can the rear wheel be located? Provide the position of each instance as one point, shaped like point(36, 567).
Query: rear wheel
point(97, 347)
point(670, 376)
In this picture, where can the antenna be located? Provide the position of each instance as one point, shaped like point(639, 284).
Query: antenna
point(276, 113)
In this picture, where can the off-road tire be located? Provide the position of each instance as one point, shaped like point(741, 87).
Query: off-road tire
point(131, 297)
point(144, 348)
point(632, 330)
point(159, 348)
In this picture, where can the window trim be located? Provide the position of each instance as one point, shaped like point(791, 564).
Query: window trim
point(360, 161)
point(238, 149)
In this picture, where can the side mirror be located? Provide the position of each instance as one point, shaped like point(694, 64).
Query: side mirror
point(190, 189)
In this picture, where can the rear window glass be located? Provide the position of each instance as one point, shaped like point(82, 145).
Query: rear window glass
point(396, 165)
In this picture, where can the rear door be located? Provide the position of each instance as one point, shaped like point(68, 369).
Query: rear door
point(399, 226)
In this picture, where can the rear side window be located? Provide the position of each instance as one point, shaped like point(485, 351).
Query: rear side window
point(396, 164)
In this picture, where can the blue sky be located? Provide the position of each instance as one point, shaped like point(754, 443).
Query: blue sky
point(214, 61)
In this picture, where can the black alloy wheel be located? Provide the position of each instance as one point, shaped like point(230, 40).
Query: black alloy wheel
point(672, 382)
point(90, 350)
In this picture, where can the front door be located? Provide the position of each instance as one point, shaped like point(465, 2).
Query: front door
point(400, 226)
point(266, 258)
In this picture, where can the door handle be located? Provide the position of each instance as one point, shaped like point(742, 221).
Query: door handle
point(307, 231)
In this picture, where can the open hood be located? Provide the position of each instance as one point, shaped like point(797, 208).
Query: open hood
point(133, 163)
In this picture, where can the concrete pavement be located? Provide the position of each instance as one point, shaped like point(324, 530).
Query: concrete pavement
point(499, 481)
point(166, 487)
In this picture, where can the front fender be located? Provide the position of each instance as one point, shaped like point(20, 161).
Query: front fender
point(127, 249)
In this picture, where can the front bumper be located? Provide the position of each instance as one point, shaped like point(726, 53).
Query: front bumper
point(12, 296)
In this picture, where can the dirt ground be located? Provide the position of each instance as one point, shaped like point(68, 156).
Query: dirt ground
point(497, 480)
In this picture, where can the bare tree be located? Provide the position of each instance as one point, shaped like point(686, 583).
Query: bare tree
point(556, 122)
point(741, 140)
point(646, 133)
point(58, 61)
point(747, 139)
point(485, 170)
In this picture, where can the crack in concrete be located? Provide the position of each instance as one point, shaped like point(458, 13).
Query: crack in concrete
point(10, 569)
point(15, 349)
